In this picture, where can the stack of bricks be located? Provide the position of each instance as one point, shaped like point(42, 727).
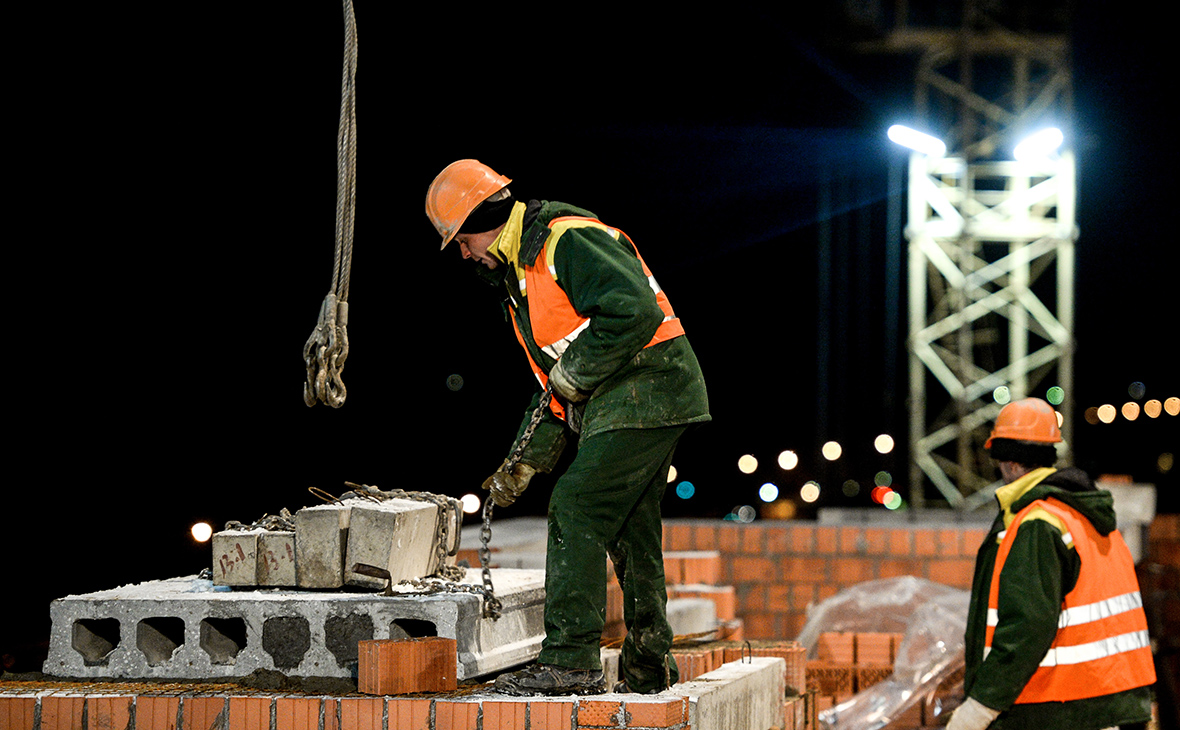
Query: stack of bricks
point(696, 660)
point(777, 568)
point(688, 574)
point(848, 663)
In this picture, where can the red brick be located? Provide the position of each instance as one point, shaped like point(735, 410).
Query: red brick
point(802, 596)
point(704, 537)
point(504, 715)
point(761, 625)
point(404, 666)
point(16, 713)
point(550, 715)
point(331, 713)
point(925, 543)
point(826, 540)
point(802, 539)
point(203, 712)
point(900, 541)
point(723, 597)
point(249, 713)
point(848, 571)
point(452, 715)
point(749, 569)
point(948, 543)
point(956, 572)
point(836, 646)
point(972, 539)
point(777, 540)
point(893, 568)
point(61, 712)
point(728, 538)
point(600, 713)
point(851, 540)
point(874, 648)
point(805, 569)
point(408, 714)
point(677, 537)
point(157, 713)
point(297, 713)
point(662, 713)
point(752, 540)
point(110, 711)
point(826, 591)
point(1164, 527)
point(793, 624)
point(834, 679)
point(365, 713)
point(751, 597)
point(778, 597)
point(876, 541)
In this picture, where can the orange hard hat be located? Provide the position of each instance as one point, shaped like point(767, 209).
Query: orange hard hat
point(458, 190)
point(1031, 419)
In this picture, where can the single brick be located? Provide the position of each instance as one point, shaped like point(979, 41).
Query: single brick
point(550, 714)
point(452, 715)
point(601, 713)
point(157, 713)
point(17, 712)
point(408, 714)
point(403, 666)
point(200, 713)
point(364, 713)
point(826, 540)
point(661, 713)
point(249, 713)
point(874, 648)
point(298, 713)
point(836, 646)
point(505, 715)
point(109, 711)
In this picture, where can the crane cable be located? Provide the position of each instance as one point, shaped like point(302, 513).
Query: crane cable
point(326, 349)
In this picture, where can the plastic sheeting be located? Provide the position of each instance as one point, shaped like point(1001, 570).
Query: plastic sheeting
point(932, 618)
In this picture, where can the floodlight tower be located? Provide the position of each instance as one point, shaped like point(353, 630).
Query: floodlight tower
point(991, 245)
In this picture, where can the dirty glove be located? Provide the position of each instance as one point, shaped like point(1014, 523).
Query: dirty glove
point(563, 386)
point(506, 486)
point(972, 715)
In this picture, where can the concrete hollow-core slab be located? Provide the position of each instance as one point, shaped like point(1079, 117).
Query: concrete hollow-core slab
point(187, 628)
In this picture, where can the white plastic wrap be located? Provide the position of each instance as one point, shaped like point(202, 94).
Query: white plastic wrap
point(932, 618)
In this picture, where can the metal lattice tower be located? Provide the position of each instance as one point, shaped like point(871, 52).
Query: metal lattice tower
point(991, 243)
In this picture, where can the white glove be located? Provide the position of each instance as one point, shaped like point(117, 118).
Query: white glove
point(972, 715)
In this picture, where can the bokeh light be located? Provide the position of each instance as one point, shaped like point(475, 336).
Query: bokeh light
point(1130, 410)
point(851, 488)
point(768, 492)
point(1153, 408)
point(1091, 416)
point(883, 443)
point(747, 464)
point(685, 490)
point(832, 450)
point(745, 513)
point(809, 492)
point(201, 531)
point(1172, 406)
point(470, 503)
point(883, 478)
point(893, 500)
point(1106, 413)
point(454, 382)
point(1055, 395)
point(1165, 462)
point(788, 460)
point(671, 474)
point(1002, 395)
point(1137, 390)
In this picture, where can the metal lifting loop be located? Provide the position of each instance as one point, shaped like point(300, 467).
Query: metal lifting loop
point(326, 350)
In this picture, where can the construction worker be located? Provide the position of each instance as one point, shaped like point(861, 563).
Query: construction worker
point(1056, 634)
point(601, 336)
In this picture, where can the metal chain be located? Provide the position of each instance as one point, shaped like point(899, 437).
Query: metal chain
point(485, 532)
point(326, 349)
point(448, 513)
point(282, 522)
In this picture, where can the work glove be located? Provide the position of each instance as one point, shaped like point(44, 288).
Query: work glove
point(972, 715)
point(572, 400)
point(506, 486)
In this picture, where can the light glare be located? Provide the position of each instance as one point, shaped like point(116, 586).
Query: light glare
point(917, 141)
point(671, 474)
point(768, 492)
point(883, 443)
point(788, 460)
point(470, 504)
point(809, 492)
point(832, 450)
point(202, 531)
point(747, 464)
point(1039, 145)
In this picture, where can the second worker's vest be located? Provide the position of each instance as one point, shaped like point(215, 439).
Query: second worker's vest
point(1101, 646)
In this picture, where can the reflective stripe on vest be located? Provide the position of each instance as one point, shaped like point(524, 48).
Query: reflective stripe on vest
point(1101, 645)
point(555, 323)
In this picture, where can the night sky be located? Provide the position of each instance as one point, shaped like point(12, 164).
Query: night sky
point(174, 228)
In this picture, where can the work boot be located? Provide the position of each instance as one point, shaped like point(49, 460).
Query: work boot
point(550, 679)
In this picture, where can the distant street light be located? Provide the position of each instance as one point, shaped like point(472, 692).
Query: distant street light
point(917, 141)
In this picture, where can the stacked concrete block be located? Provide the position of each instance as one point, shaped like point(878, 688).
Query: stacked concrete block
point(357, 542)
point(187, 628)
point(405, 666)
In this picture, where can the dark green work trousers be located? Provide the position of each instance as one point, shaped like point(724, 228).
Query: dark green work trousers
point(608, 501)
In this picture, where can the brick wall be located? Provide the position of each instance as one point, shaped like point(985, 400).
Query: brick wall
point(778, 567)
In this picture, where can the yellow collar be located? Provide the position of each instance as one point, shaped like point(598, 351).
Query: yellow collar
point(506, 247)
point(1009, 493)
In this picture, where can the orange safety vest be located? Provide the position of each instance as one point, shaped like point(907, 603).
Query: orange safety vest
point(1101, 646)
point(555, 322)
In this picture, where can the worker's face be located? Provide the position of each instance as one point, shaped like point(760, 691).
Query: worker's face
point(475, 246)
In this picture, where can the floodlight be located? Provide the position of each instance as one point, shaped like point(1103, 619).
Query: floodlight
point(917, 141)
point(1040, 145)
